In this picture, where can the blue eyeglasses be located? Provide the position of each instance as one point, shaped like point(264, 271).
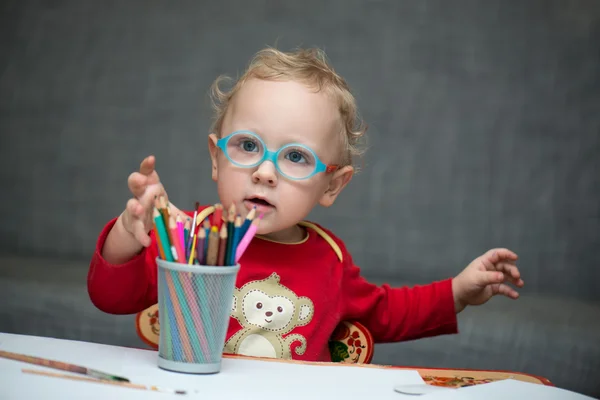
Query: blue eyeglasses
point(294, 161)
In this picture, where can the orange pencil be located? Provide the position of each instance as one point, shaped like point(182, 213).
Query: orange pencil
point(222, 245)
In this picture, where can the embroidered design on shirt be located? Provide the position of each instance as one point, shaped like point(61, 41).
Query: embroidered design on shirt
point(267, 311)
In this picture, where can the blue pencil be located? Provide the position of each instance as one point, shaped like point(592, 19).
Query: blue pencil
point(247, 222)
point(237, 227)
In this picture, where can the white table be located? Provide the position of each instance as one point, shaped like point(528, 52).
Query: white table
point(239, 378)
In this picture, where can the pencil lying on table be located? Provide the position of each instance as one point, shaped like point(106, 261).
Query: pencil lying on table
point(117, 383)
point(62, 366)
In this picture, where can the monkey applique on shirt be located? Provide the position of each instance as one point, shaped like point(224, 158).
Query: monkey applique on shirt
point(289, 298)
point(268, 312)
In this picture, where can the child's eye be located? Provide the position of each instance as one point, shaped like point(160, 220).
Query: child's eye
point(296, 157)
point(249, 145)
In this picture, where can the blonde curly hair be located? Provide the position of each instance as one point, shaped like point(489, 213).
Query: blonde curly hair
point(309, 66)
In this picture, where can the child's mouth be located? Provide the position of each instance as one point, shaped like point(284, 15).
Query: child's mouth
point(260, 204)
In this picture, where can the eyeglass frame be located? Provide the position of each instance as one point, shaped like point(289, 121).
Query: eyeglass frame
point(272, 156)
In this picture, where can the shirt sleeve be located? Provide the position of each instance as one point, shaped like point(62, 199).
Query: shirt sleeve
point(397, 314)
point(126, 288)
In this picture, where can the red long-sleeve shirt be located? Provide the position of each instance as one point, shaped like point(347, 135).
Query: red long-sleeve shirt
point(315, 277)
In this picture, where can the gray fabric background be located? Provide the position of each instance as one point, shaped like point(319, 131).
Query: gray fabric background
point(484, 131)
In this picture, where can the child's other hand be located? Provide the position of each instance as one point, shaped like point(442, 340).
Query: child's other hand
point(485, 277)
point(146, 187)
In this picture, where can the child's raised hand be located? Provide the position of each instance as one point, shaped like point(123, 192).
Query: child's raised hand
point(485, 277)
point(145, 186)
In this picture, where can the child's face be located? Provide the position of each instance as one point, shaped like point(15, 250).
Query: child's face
point(280, 112)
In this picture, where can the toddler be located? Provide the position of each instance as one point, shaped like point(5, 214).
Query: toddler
point(283, 141)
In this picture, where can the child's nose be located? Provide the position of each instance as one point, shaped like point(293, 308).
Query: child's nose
point(266, 174)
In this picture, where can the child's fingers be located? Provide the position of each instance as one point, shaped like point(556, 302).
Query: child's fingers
point(137, 183)
point(506, 290)
point(511, 272)
point(509, 268)
point(484, 278)
point(134, 208)
point(515, 281)
point(147, 165)
point(151, 193)
point(139, 232)
point(495, 255)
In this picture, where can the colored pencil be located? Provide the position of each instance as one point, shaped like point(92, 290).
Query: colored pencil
point(217, 217)
point(192, 251)
point(176, 245)
point(213, 247)
point(162, 233)
point(230, 228)
point(164, 211)
point(206, 227)
point(236, 239)
point(222, 245)
point(245, 241)
point(78, 369)
point(186, 233)
point(248, 221)
point(103, 381)
point(192, 229)
point(158, 243)
point(200, 253)
point(181, 234)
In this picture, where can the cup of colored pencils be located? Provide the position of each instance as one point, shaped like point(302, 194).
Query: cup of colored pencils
point(198, 264)
point(218, 239)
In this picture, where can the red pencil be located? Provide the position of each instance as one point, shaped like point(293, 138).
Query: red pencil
point(217, 217)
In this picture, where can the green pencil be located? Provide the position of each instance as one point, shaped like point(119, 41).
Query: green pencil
point(162, 233)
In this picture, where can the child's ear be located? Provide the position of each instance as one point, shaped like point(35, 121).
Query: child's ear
point(340, 179)
point(212, 148)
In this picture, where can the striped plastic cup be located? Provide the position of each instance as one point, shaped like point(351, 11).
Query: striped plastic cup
point(194, 302)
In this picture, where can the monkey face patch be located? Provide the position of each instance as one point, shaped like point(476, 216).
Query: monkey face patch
point(272, 313)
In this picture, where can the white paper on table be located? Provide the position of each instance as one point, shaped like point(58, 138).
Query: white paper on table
point(507, 389)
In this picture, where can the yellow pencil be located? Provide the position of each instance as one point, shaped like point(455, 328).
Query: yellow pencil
point(193, 251)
